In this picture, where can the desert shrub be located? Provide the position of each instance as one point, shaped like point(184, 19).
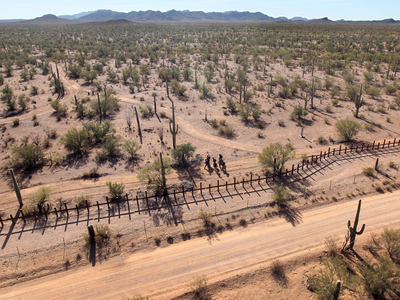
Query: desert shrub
point(245, 111)
point(81, 200)
point(111, 145)
point(347, 128)
point(372, 91)
point(109, 103)
point(144, 111)
point(231, 104)
point(226, 131)
point(131, 148)
point(256, 113)
point(335, 102)
point(182, 153)
point(102, 233)
point(41, 196)
point(222, 122)
point(331, 246)
point(27, 156)
point(199, 288)
point(115, 189)
point(242, 222)
point(368, 76)
point(100, 132)
point(392, 164)
point(381, 108)
point(23, 102)
point(76, 141)
point(321, 140)
point(157, 240)
point(275, 150)
point(205, 217)
point(369, 171)
point(170, 239)
point(298, 112)
point(390, 90)
point(34, 90)
point(281, 195)
point(324, 282)
point(60, 109)
point(391, 241)
point(152, 174)
point(281, 123)
point(381, 279)
point(15, 122)
point(328, 109)
point(214, 123)
point(277, 269)
point(53, 134)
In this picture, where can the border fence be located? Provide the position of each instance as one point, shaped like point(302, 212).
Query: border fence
point(47, 212)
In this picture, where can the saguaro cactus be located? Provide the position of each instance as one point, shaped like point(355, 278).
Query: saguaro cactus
point(353, 229)
point(154, 94)
point(58, 85)
point(162, 172)
point(173, 129)
point(16, 188)
point(337, 290)
point(312, 94)
point(138, 124)
point(98, 100)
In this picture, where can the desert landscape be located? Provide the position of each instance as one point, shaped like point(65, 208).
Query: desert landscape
point(304, 116)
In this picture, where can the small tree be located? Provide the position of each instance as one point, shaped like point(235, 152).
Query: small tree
point(182, 153)
point(131, 148)
point(28, 156)
point(281, 195)
point(152, 174)
point(76, 141)
point(275, 156)
point(298, 112)
point(115, 189)
point(231, 104)
point(347, 128)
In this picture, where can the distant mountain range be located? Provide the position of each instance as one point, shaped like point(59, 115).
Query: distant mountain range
point(185, 16)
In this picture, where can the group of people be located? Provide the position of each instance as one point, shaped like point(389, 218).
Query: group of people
point(220, 164)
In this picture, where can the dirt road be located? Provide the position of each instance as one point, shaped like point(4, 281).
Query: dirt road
point(167, 271)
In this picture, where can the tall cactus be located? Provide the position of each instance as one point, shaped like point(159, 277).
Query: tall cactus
point(162, 172)
point(16, 188)
point(270, 87)
point(138, 124)
point(353, 229)
point(58, 85)
point(358, 101)
point(306, 100)
point(388, 70)
point(99, 102)
point(154, 94)
point(173, 129)
point(337, 290)
point(312, 94)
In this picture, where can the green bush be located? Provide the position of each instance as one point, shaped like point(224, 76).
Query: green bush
point(275, 151)
point(115, 189)
point(182, 153)
point(347, 128)
point(76, 141)
point(381, 279)
point(281, 195)
point(231, 104)
point(205, 217)
point(41, 196)
point(152, 174)
point(28, 156)
point(391, 240)
point(131, 148)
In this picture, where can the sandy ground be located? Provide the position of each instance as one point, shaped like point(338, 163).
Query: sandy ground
point(166, 272)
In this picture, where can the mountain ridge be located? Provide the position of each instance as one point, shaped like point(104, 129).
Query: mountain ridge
point(183, 16)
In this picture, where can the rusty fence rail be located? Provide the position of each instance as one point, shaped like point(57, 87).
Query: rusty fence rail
point(295, 169)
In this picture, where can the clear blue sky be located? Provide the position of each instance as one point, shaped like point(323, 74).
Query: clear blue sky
point(333, 9)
